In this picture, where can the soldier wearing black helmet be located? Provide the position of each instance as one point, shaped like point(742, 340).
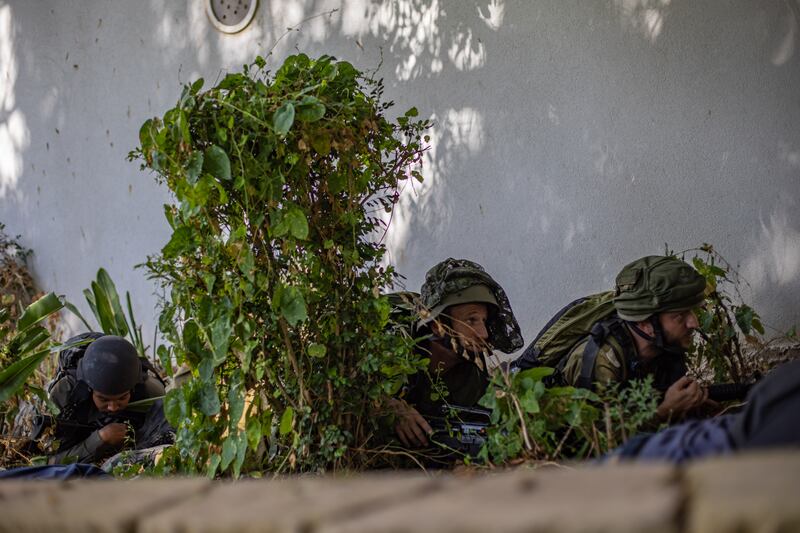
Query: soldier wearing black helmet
point(465, 314)
point(654, 299)
point(93, 397)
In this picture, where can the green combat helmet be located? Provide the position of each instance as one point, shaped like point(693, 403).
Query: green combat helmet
point(657, 284)
point(457, 281)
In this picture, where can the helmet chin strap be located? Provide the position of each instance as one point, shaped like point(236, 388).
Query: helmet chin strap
point(657, 338)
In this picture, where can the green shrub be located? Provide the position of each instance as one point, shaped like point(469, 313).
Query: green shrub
point(546, 423)
point(273, 270)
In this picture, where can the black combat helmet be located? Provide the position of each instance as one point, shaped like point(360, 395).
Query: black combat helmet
point(110, 366)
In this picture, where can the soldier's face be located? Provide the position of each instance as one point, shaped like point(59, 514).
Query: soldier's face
point(110, 403)
point(679, 327)
point(468, 322)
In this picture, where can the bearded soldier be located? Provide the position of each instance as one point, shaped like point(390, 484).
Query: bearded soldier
point(464, 315)
point(646, 332)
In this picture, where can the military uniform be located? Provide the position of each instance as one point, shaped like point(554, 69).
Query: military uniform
point(618, 364)
point(605, 350)
point(453, 282)
point(768, 420)
point(81, 442)
point(465, 383)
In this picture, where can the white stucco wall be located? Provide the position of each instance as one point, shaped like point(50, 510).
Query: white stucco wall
point(571, 136)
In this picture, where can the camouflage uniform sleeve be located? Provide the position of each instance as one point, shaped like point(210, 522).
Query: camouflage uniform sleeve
point(607, 366)
point(89, 450)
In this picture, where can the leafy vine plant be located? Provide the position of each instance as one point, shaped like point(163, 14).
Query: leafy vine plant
point(732, 336)
point(273, 274)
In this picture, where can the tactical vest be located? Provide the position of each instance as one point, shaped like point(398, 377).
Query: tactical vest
point(595, 318)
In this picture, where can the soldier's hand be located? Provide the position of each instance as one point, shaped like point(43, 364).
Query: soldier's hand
point(683, 396)
point(114, 433)
point(411, 427)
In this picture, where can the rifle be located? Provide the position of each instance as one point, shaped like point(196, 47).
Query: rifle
point(460, 430)
point(722, 392)
point(726, 392)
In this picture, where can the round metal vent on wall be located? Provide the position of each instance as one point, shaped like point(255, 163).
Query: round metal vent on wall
point(231, 16)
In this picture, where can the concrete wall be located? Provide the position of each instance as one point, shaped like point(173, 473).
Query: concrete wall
point(571, 136)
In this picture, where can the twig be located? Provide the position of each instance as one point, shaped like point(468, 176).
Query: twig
point(293, 360)
point(297, 27)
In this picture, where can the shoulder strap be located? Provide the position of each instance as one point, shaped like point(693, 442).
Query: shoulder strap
point(147, 366)
point(80, 393)
point(611, 327)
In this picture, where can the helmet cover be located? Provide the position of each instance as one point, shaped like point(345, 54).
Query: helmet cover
point(657, 284)
point(460, 281)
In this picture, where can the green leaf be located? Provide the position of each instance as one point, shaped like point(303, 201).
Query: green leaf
point(209, 400)
point(194, 166)
point(283, 119)
point(173, 407)
point(105, 281)
point(213, 464)
point(536, 374)
point(337, 182)
point(39, 310)
point(412, 112)
point(317, 350)
point(105, 314)
point(744, 318)
point(310, 109)
point(220, 330)
point(291, 304)
point(228, 451)
point(253, 432)
point(146, 134)
point(216, 163)
point(286, 421)
point(235, 402)
point(13, 378)
point(330, 71)
point(77, 313)
point(27, 341)
point(144, 405)
point(197, 85)
point(529, 402)
point(321, 142)
point(182, 241)
point(241, 453)
point(296, 220)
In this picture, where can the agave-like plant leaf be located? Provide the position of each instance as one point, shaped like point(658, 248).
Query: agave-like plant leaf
point(39, 310)
point(104, 315)
point(13, 378)
point(77, 313)
point(111, 293)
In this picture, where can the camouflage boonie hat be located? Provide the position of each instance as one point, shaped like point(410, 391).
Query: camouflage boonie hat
point(657, 284)
point(455, 281)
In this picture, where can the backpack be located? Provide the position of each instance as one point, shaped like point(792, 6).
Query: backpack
point(592, 316)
